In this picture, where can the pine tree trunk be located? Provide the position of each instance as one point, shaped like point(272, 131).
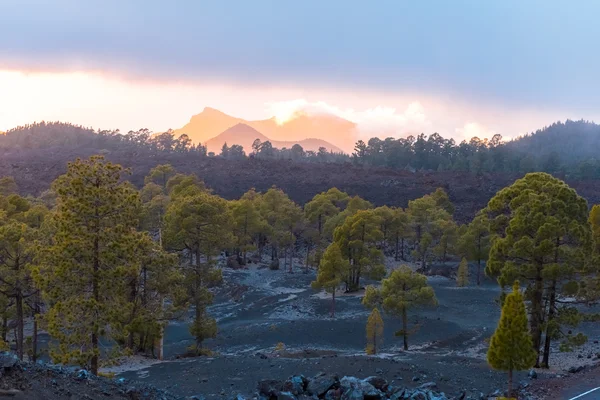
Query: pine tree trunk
point(4, 328)
point(396, 255)
point(96, 295)
point(549, 327)
point(405, 328)
point(402, 249)
point(19, 309)
point(34, 340)
point(510, 383)
point(306, 266)
point(536, 314)
point(333, 304)
point(478, 260)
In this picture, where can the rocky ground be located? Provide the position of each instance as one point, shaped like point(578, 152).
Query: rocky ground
point(272, 325)
point(260, 312)
point(26, 381)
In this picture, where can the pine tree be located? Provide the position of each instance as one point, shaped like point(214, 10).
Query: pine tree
point(247, 223)
point(427, 218)
point(333, 269)
point(199, 224)
point(358, 238)
point(474, 242)
point(374, 332)
point(543, 238)
point(462, 274)
point(16, 257)
point(511, 346)
point(401, 292)
point(84, 271)
point(160, 175)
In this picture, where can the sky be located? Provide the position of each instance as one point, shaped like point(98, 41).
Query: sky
point(461, 68)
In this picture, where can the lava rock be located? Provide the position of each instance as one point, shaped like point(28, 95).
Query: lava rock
point(269, 388)
point(320, 384)
point(285, 396)
point(295, 384)
point(532, 374)
point(574, 370)
point(354, 388)
point(428, 385)
point(377, 382)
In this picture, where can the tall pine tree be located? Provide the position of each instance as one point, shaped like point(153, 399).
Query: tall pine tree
point(84, 271)
point(511, 347)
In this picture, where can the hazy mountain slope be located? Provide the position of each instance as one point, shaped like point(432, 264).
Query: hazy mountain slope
point(245, 135)
point(337, 131)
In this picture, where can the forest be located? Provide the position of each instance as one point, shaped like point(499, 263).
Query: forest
point(568, 149)
point(98, 263)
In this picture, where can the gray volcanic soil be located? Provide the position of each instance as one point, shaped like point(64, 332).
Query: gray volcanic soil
point(258, 308)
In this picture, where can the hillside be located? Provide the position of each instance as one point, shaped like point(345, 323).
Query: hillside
point(211, 122)
point(36, 154)
point(244, 135)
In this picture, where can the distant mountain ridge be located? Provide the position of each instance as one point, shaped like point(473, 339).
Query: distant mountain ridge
point(244, 135)
point(336, 134)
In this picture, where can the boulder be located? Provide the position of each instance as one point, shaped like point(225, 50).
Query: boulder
point(354, 388)
point(8, 360)
point(532, 374)
point(285, 396)
point(378, 382)
point(295, 384)
point(428, 385)
point(320, 384)
point(269, 388)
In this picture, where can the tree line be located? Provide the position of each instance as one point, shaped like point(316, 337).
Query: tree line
point(566, 149)
point(95, 260)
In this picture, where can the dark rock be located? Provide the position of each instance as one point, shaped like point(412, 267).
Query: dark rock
point(333, 394)
point(285, 396)
point(83, 374)
point(321, 383)
point(461, 395)
point(261, 356)
point(378, 371)
point(416, 379)
point(575, 370)
point(377, 382)
point(428, 385)
point(532, 374)
point(295, 384)
point(418, 395)
point(269, 388)
point(354, 388)
point(7, 361)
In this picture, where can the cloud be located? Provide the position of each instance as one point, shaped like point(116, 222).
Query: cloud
point(473, 129)
point(467, 52)
point(382, 121)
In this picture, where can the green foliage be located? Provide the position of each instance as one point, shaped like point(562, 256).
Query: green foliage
point(16, 256)
point(402, 291)
point(474, 243)
point(374, 332)
point(462, 274)
point(358, 240)
point(201, 224)
point(429, 220)
point(248, 222)
point(8, 186)
point(511, 346)
point(160, 175)
point(333, 269)
point(84, 271)
point(543, 239)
